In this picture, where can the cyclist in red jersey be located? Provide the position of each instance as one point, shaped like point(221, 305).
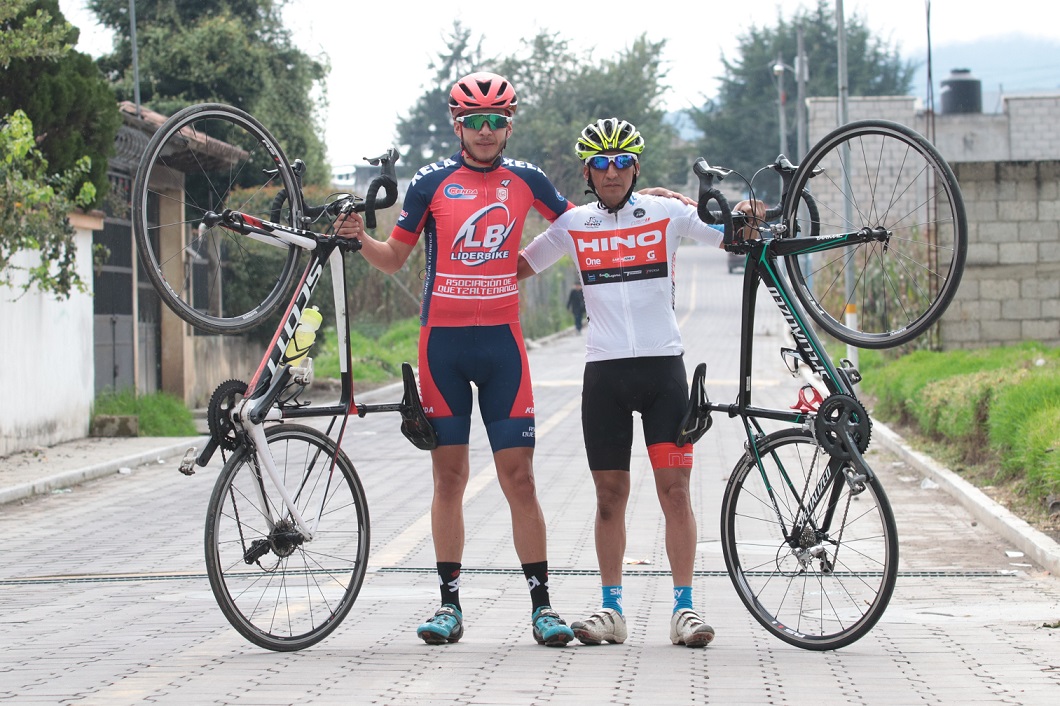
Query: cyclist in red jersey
point(624, 247)
point(470, 210)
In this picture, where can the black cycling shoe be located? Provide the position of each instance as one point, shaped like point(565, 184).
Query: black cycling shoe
point(697, 419)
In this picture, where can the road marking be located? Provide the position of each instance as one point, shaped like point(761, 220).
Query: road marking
point(397, 549)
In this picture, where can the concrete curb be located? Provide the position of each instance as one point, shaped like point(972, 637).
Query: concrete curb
point(1035, 544)
point(80, 475)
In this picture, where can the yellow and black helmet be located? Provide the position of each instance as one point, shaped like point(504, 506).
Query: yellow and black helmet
point(609, 134)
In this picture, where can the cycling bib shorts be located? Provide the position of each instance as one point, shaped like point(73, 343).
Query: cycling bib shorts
point(612, 390)
point(493, 358)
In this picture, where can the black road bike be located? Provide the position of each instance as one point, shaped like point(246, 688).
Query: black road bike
point(872, 233)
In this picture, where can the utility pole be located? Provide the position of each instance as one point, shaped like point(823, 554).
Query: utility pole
point(801, 77)
point(135, 55)
point(778, 71)
point(851, 314)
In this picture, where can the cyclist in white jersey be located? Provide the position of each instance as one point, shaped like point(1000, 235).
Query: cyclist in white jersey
point(624, 246)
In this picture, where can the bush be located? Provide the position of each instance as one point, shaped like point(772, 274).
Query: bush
point(897, 383)
point(1004, 400)
point(1024, 427)
point(957, 408)
point(159, 414)
point(1039, 454)
point(377, 350)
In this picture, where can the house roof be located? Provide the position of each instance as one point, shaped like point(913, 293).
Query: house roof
point(202, 151)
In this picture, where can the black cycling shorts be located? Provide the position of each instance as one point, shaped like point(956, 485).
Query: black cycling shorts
point(612, 390)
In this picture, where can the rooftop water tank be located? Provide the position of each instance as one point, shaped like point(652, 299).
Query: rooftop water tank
point(962, 93)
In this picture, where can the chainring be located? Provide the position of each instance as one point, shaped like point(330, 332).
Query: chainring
point(838, 416)
point(219, 413)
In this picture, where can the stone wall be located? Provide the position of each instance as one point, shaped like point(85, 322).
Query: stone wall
point(1011, 286)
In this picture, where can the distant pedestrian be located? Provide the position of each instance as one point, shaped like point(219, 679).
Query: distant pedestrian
point(576, 305)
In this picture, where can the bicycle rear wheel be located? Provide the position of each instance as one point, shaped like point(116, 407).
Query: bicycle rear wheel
point(827, 581)
point(212, 157)
point(279, 592)
point(879, 174)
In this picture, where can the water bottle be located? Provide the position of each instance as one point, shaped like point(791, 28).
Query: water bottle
point(304, 335)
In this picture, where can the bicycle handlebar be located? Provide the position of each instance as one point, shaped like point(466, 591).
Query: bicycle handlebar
point(707, 193)
point(729, 218)
point(387, 181)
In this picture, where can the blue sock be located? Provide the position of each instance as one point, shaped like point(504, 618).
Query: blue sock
point(682, 597)
point(613, 597)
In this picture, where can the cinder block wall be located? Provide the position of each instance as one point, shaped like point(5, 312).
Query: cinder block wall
point(1008, 167)
point(1011, 286)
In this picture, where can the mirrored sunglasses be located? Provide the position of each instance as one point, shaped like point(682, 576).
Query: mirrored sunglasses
point(475, 121)
point(603, 161)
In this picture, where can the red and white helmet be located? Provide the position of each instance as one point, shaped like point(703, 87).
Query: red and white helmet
point(483, 91)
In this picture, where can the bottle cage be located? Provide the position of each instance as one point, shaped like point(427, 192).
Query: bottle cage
point(697, 419)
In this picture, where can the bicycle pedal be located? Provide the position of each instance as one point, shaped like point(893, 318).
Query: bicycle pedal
point(187, 464)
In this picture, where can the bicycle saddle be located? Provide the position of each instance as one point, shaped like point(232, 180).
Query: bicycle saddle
point(697, 419)
point(414, 423)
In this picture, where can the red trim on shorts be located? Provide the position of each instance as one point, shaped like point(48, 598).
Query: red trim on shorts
point(670, 455)
point(431, 398)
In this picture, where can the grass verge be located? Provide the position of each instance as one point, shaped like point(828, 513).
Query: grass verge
point(992, 415)
point(159, 414)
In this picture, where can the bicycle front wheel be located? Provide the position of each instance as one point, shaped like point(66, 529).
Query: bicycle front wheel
point(883, 177)
point(815, 562)
point(212, 157)
point(278, 591)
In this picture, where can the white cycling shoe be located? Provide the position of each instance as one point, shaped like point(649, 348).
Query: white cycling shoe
point(605, 625)
point(688, 629)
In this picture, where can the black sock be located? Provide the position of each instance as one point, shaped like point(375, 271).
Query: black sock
point(449, 583)
point(537, 580)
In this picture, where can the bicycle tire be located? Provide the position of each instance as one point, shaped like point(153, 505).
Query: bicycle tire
point(210, 157)
point(878, 173)
point(293, 595)
point(807, 604)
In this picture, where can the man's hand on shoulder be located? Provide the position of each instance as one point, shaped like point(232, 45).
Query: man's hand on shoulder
point(667, 193)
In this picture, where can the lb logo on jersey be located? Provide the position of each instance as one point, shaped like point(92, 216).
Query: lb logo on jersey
point(478, 241)
point(502, 194)
point(459, 193)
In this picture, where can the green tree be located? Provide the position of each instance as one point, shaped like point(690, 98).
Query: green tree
point(565, 91)
point(740, 125)
point(560, 92)
point(230, 51)
point(427, 132)
point(30, 32)
point(65, 96)
point(34, 203)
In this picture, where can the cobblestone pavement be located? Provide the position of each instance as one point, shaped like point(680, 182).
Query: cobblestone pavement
point(105, 599)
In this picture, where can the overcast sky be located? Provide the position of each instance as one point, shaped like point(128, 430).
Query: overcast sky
point(383, 49)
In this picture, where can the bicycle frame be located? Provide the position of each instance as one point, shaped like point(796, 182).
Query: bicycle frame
point(273, 374)
point(761, 267)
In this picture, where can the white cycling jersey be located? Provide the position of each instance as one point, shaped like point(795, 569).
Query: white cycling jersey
point(626, 262)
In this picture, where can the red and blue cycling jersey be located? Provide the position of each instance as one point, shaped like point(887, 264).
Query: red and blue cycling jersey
point(472, 219)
